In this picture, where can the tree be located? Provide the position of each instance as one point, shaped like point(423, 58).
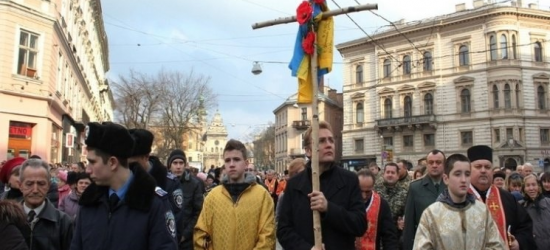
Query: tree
point(169, 104)
point(264, 148)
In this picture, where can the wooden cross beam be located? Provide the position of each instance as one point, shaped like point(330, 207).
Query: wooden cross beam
point(314, 106)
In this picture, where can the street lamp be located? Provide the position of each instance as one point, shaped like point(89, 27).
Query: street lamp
point(256, 68)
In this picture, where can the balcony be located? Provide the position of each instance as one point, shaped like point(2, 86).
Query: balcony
point(411, 122)
point(301, 124)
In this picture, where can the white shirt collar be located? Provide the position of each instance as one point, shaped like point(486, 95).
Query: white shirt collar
point(36, 210)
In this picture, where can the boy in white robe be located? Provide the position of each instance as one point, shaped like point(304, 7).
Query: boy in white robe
point(457, 220)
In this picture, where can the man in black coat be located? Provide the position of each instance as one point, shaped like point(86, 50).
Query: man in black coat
point(123, 208)
point(338, 201)
point(515, 217)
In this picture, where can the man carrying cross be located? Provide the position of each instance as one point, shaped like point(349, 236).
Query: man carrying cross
point(513, 222)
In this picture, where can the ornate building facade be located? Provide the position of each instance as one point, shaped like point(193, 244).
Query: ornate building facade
point(216, 138)
point(476, 76)
point(53, 60)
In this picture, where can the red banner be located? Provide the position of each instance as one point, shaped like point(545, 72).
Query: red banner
point(18, 131)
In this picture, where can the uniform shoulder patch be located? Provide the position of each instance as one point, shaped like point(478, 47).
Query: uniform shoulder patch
point(160, 192)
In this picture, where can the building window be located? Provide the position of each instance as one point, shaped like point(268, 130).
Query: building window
point(359, 113)
point(28, 54)
point(387, 108)
point(493, 47)
point(507, 98)
point(466, 138)
point(509, 133)
point(304, 114)
point(465, 100)
point(388, 141)
point(463, 55)
point(503, 47)
point(359, 74)
point(495, 97)
point(427, 64)
point(408, 106)
point(544, 136)
point(514, 47)
point(406, 65)
point(520, 132)
point(429, 140)
point(359, 145)
point(428, 104)
point(408, 141)
point(541, 96)
point(497, 134)
point(517, 95)
point(387, 68)
point(538, 52)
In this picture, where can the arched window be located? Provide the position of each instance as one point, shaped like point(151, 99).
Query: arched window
point(406, 65)
point(428, 104)
point(463, 55)
point(359, 74)
point(427, 61)
point(541, 96)
point(517, 95)
point(408, 106)
point(495, 97)
point(387, 68)
point(493, 47)
point(503, 47)
point(514, 47)
point(359, 112)
point(387, 108)
point(507, 98)
point(465, 100)
point(538, 52)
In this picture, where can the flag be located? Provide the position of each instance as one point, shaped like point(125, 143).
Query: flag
point(300, 63)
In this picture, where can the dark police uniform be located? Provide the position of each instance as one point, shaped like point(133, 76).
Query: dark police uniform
point(142, 219)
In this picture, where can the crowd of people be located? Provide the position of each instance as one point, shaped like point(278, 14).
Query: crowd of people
point(125, 198)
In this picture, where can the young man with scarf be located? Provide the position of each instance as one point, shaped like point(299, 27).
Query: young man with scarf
point(513, 222)
point(457, 220)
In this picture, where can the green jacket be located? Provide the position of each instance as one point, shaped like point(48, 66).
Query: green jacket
point(422, 193)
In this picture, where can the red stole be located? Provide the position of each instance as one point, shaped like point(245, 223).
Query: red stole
point(494, 204)
point(368, 241)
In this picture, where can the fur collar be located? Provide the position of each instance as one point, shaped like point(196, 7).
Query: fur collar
point(158, 171)
point(139, 196)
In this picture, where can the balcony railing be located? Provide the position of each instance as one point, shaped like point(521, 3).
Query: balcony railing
point(406, 121)
point(301, 124)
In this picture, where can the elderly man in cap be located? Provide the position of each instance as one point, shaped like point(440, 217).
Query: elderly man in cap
point(122, 209)
point(513, 222)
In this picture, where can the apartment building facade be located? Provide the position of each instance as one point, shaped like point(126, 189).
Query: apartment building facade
point(475, 76)
point(53, 61)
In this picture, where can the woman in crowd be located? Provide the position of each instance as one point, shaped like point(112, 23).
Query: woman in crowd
point(498, 179)
point(13, 225)
point(69, 204)
point(545, 181)
point(10, 176)
point(514, 182)
point(62, 187)
point(538, 207)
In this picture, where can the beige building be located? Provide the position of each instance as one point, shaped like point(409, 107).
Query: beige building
point(53, 60)
point(215, 140)
point(476, 76)
point(292, 120)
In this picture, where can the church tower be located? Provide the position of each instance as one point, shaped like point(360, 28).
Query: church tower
point(216, 137)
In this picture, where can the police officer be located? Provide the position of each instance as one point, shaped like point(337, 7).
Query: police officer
point(165, 180)
point(123, 208)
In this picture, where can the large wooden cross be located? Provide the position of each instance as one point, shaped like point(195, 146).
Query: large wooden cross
point(314, 105)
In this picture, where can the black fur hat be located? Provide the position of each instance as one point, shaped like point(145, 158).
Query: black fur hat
point(480, 152)
point(111, 138)
point(144, 140)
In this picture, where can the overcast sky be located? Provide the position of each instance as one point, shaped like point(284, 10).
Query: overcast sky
point(215, 38)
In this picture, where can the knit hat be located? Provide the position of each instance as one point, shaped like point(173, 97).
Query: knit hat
point(480, 152)
point(82, 175)
point(176, 154)
point(144, 140)
point(72, 177)
point(210, 177)
point(499, 174)
point(202, 176)
point(111, 138)
point(8, 167)
point(62, 175)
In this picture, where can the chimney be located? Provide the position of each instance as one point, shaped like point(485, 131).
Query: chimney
point(533, 6)
point(478, 3)
point(460, 7)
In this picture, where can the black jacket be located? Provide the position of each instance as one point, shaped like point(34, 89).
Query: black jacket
point(170, 183)
point(11, 237)
point(142, 220)
point(193, 197)
point(51, 230)
point(341, 223)
point(386, 233)
point(521, 225)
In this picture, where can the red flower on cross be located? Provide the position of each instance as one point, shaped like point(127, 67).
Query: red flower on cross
point(304, 12)
point(308, 43)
